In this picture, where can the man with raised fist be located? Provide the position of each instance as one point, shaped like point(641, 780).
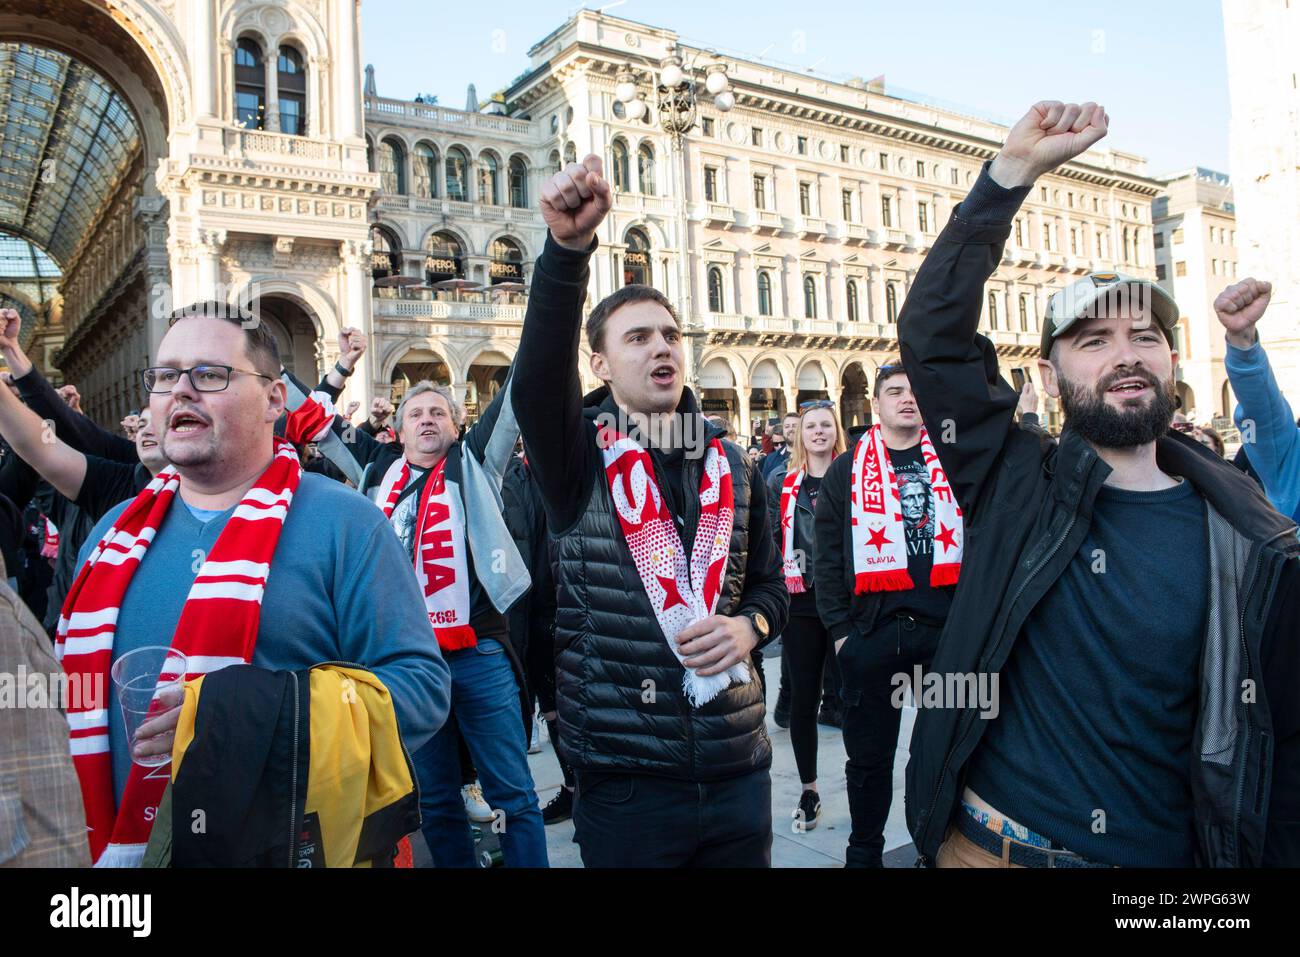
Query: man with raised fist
point(1269, 433)
point(1131, 600)
point(667, 575)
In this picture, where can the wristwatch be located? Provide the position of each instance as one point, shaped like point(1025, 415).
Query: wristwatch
point(760, 623)
point(338, 367)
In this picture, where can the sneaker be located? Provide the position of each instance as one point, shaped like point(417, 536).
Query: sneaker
point(558, 808)
point(477, 808)
point(808, 813)
point(535, 742)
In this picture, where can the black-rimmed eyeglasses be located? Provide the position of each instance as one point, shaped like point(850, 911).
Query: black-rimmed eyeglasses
point(205, 378)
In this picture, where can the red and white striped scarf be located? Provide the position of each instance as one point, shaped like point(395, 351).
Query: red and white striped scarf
point(440, 562)
point(790, 561)
point(879, 536)
point(217, 627)
point(682, 591)
point(310, 420)
point(50, 544)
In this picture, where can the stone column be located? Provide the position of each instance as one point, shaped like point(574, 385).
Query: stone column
point(271, 65)
point(204, 42)
point(355, 257)
point(347, 72)
point(208, 245)
point(742, 410)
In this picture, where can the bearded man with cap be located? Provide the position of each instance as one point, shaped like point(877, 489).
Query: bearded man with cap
point(1132, 601)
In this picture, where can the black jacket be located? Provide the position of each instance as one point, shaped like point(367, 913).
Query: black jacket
point(1027, 504)
point(618, 684)
point(805, 528)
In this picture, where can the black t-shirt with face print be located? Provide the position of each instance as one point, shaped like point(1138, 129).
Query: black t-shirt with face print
point(921, 601)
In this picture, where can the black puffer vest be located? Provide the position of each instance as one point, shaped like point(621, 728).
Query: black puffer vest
point(618, 685)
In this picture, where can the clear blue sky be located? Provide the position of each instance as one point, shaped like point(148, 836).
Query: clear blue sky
point(1157, 65)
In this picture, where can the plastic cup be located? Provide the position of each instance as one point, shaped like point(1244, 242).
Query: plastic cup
point(150, 681)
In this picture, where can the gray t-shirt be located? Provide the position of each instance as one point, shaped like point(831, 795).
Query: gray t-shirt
point(340, 589)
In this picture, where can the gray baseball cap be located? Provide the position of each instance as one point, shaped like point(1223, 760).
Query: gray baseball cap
point(1100, 293)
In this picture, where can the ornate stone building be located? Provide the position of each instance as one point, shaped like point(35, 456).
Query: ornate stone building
point(167, 151)
point(788, 230)
point(228, 148)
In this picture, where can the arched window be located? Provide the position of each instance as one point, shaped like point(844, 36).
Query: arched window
point(636, 259)
point(851, 299)
point(426, 170)
point(715, 289)
point(392, 166)
point(645, 168)
point(570, 153)
point(1024, 313)
point(250, 86)
point(1126, 244)
point(809, 297)
point(518, 182)
point(507, 263)
point(556, 163)
point(457, 174)
point(764, 293)
point(385, 254)
point(489, 173)
point(891, 302)
point(443, 258)
point(618, 153)
point(993, 310)
point(291, 82)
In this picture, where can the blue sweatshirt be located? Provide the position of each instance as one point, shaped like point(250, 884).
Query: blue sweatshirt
point(1275, 451)
point(340, 589)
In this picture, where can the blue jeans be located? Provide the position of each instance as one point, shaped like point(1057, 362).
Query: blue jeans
point(485, 705)
point(639, 820)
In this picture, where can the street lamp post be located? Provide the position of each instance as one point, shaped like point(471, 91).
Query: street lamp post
point(678, 94)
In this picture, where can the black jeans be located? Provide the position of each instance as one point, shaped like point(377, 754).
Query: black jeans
point(639, 820)
point(867, 667)
point(806, 645)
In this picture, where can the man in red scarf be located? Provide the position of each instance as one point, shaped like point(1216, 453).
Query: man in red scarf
point(667, 573)
point(231, 555)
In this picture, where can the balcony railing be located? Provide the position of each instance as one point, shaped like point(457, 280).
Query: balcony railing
point(430, 114)
point(438, 309)
point(263, 143)
point(764, 219)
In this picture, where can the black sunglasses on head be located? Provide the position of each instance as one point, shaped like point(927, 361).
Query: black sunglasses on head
point(816, 404)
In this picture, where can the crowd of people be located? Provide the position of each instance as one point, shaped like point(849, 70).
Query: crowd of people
point(1111, 615)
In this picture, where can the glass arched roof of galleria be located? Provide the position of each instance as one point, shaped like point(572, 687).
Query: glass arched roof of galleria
point(65, 137)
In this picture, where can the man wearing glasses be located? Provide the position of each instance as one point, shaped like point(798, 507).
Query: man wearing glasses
point(235, 491)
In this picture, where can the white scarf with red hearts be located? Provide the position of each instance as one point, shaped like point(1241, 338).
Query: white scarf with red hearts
point(791, 565)
point(440, 562)
point(682, 590)
point(217, 627)
point(879, 537)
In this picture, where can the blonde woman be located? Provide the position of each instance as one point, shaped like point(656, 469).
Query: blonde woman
point(792, 495)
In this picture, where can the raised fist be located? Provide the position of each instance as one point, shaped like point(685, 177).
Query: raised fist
point(131, 425)
point(352, 346)
point(380, 409)
point(1047, 136)
point(351, 410)
point(574, 201)
point(69, 394)
point(1239, 307)
point(11, 324)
